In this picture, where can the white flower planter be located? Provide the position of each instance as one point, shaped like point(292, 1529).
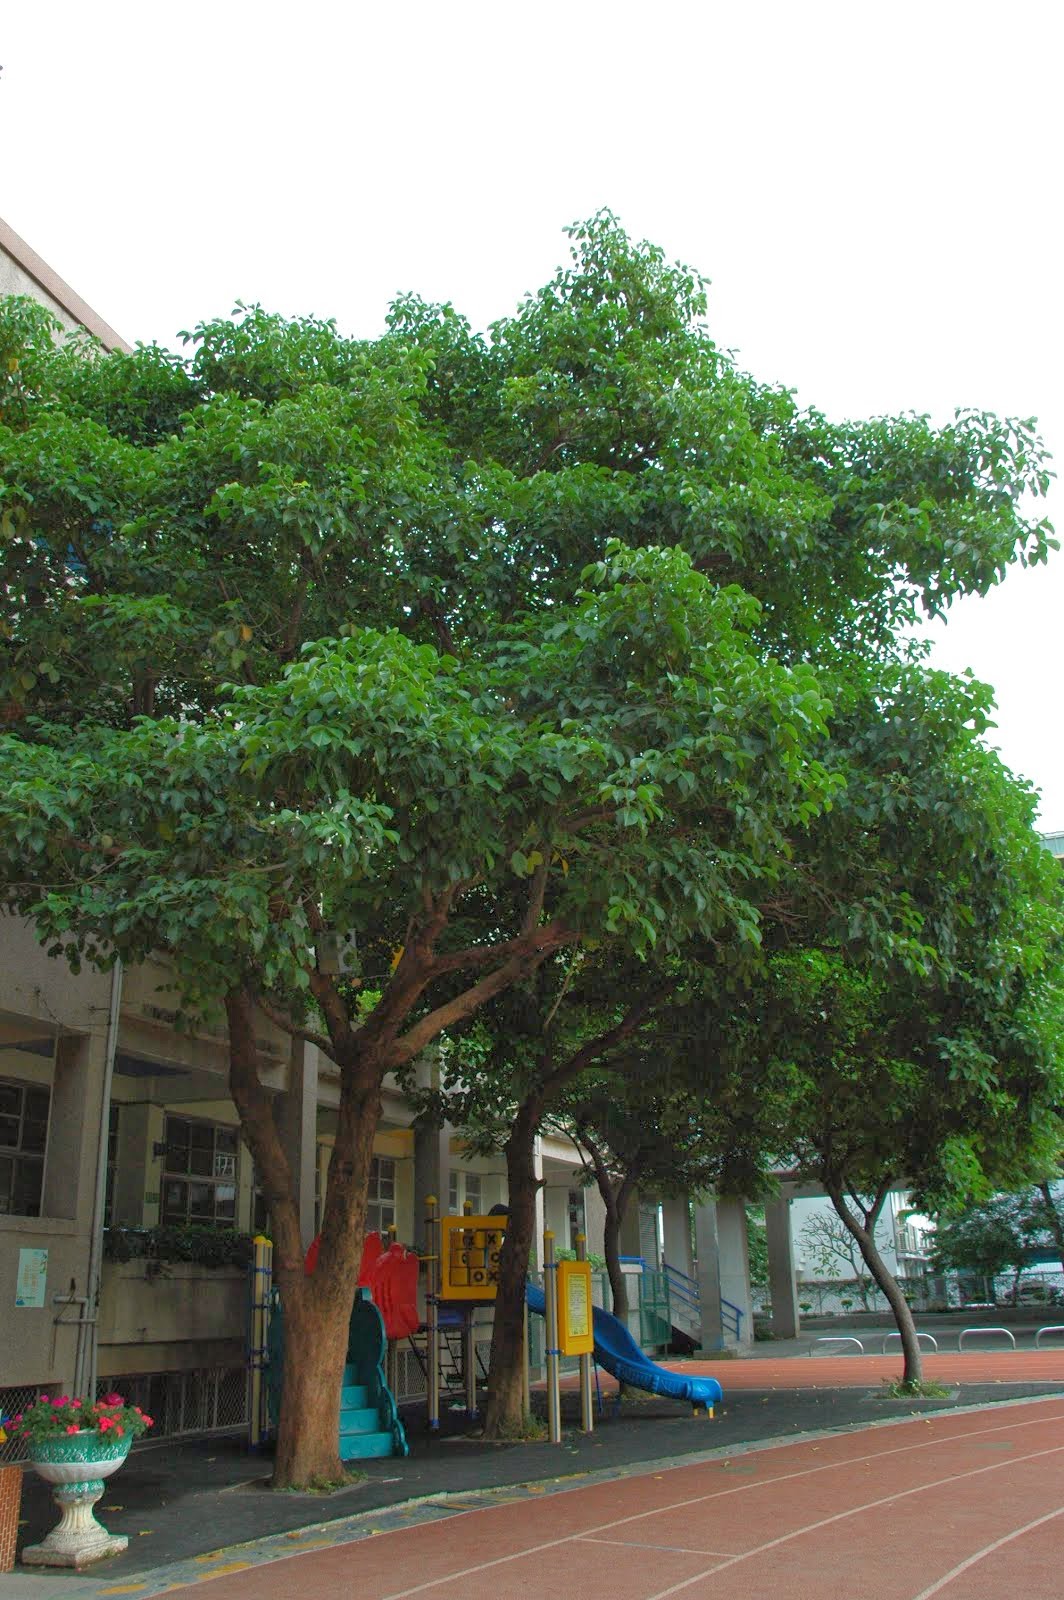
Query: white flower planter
point(76, 1466)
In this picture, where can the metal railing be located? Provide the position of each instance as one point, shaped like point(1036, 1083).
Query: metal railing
point(932, 1341)
point(967, 1333)
point(731, 1319)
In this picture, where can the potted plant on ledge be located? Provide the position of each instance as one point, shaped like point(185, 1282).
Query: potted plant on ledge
point(74, 1446)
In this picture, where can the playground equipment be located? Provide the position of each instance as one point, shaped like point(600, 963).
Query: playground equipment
point(617, 1352)
point(462, 1260)
point(385, 1309)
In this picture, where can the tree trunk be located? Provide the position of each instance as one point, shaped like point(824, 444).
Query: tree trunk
point(315, 1348)
point(611, 1246)
point(1054, 1221)
point(504, 1411)
point(864, 1233)
point(316, 1310)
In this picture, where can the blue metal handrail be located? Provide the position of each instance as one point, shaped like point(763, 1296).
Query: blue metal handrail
point(685, 1288)
point(731, 1313)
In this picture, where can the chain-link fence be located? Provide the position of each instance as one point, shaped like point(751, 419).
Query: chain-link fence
point(12, 1403)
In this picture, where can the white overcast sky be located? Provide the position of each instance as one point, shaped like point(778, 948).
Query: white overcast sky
point(874, 191)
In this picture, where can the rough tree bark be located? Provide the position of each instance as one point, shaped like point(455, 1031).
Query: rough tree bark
point(861, 1221)
point(317, 1309)
point(503, 1412)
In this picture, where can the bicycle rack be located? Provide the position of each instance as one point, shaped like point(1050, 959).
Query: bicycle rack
point(932, 1341)
point(965, 1332)
point(838, 1338)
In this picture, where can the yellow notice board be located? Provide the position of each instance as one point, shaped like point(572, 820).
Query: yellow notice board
point(469, 1257)
point(575, 1333)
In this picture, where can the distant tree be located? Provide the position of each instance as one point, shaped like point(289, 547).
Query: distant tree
point(830, 1245)
point(1001, 1235)
point(757, 1246)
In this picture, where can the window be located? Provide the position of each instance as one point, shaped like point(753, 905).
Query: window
point(380, 1212)
point(112, 1163)
point(23, 1131)
point(199, 1174)
point(464, 1186)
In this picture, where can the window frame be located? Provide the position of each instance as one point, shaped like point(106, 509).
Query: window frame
point(213, 1180)
point(16, 1153)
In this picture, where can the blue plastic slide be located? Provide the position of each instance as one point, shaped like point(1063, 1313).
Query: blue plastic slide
point(617, 1351)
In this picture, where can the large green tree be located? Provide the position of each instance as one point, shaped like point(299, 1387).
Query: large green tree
point(911, 1038)
point(306, 635)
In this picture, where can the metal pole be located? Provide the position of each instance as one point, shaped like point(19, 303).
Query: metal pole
point(261, 1274)
point(526, 1357)
point(85, 1379)
point(587, 1415)
point(550, 1294)
point(432, 1338)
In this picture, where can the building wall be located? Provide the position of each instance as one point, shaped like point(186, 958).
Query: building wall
point(22, 271)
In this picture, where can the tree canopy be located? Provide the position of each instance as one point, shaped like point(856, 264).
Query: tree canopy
point(481, 647)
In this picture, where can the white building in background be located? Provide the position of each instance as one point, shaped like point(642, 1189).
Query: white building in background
point(22, 271)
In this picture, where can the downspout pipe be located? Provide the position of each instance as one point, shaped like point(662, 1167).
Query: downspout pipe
point(87, 1385)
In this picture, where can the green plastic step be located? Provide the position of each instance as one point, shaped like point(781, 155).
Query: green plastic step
point(361, 1446)
point(359, 1419)
point(354, 1394)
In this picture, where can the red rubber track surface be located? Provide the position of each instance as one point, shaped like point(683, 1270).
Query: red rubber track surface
point(962, 1506)
point(861, 1372)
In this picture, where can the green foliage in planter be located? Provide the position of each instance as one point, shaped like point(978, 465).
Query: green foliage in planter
point(207, 1247)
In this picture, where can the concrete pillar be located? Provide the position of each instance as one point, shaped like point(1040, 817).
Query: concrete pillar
point(786, 1323)
point(630, 1239)
point(432, 1174)
point(708, 1273)
point(297, 1123)
point(136, 1164)
point(733, 1256)
point(541, 1207)
point(676, 1221)
point(73, 1127)
point(595, 1221)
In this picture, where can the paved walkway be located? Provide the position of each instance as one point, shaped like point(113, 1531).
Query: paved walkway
point(965, 1506)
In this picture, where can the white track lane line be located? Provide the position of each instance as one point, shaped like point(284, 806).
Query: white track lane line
point(715, 1494)
point(840, 1516)
point(988, 1550)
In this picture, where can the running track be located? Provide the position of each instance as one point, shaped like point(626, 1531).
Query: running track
point(959, 1506)
point(857, 1371)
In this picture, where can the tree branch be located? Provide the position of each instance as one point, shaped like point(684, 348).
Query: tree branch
point(281, 1020)
point(409, 1044)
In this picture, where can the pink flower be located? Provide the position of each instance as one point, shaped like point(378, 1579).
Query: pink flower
point(113, 1400)
point(120, 1431)
point(105, 1423)
point(18, 1418)
point(62, 1400)
point(73, 1429)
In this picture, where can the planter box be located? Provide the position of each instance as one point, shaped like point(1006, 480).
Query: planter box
point(182, 1303)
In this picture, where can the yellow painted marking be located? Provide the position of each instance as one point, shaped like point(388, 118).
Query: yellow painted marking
point(123, 1588)
point(230, 1566)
